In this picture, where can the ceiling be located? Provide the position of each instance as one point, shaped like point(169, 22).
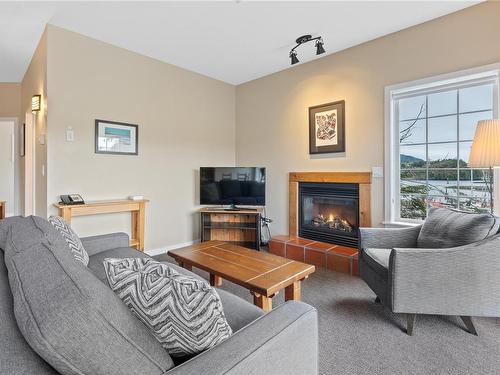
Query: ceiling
point(233, 41)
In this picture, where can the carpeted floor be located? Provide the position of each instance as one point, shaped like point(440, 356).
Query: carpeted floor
point(357, 336)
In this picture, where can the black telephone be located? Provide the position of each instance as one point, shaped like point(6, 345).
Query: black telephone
point(72, 199)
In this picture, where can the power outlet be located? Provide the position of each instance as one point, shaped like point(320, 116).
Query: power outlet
point(377, 172)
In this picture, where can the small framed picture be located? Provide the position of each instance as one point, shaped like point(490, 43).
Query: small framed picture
point(113, 137)
point(327, 128)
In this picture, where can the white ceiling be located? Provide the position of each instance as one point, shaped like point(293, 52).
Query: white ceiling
point(233, 41)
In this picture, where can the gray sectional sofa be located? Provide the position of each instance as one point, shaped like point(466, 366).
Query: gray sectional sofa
point(55, 313)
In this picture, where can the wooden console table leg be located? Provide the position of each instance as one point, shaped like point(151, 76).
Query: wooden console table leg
point(215, 280)
point(65, 213)
point(138, 218)
point(265, 303)
point(292, 292)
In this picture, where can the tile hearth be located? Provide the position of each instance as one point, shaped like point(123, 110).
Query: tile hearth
point(320, 254)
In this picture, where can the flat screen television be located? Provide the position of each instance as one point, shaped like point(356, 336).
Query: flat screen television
point(244, 186)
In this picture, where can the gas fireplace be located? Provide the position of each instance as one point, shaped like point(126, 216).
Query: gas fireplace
point(329, 212)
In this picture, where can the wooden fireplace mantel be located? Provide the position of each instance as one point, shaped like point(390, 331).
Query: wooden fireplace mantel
point(363, 179)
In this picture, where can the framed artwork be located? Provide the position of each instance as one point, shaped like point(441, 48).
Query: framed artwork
point(327, 128)
point(22, 139)
point(119, 138)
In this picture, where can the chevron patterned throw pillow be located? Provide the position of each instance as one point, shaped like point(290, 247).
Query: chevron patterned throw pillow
point(73, 241)
point(184, 313)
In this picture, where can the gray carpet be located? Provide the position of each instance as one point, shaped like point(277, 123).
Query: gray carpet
point(357, 336)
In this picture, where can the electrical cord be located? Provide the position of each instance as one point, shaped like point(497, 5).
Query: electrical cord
point(265, 222)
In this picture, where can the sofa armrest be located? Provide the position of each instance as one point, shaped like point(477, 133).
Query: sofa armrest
point(387, 238)
point(454, 281)
point(284, 341)
point(96, 244)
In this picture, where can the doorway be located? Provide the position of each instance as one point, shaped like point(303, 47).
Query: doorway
point(8, 162)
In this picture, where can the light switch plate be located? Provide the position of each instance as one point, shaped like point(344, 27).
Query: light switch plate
point(70, 134)
point(377, 172)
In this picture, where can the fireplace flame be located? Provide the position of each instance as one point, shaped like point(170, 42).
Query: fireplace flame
point(330, 218)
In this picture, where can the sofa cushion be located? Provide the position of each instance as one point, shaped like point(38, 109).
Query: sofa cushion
point(67, 315)
point(16, 356)
point(5, 224)
point(238, 312)
point(97, 267)
point(184, 313)
point(71, 238)
point(445, 228)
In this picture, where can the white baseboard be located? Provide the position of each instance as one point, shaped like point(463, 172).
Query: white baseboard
point(164, 249)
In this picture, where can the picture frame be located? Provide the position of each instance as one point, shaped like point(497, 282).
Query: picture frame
point(22, 140)
point(118, 138)
point(327, 128)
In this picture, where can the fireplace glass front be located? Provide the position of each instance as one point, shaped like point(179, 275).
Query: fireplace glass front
point(329, 212)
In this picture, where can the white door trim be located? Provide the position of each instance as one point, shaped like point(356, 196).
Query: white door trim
point(29, 165)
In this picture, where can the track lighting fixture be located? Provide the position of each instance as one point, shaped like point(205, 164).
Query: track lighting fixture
point(304, 39)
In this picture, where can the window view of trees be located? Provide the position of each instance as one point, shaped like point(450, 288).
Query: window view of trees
point(436, 133)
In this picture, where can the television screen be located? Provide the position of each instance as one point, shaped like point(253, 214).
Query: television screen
point(233, 186)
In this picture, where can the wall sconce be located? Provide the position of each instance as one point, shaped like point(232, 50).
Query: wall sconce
point(36, 102)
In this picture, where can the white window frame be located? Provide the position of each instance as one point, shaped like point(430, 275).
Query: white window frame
point(484, 74)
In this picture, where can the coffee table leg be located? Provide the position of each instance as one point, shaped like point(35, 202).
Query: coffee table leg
point(185, 265)
point(265, 303)
point(292, 292)
point(215, 280)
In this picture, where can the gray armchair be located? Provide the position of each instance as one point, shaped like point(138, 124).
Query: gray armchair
point(450, 265)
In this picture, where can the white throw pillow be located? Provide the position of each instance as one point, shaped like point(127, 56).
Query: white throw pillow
point(72, 239)
point(184, 313)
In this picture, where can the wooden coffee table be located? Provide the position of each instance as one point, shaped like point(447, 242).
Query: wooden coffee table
point(263, 274)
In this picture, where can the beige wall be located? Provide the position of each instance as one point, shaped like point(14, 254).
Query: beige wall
point(34, 83)
point(10, 99)
point(185, 121)
point(272, 112)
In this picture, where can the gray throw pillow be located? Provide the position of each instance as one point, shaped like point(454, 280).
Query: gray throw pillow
point(71, 238)
point(184, 313)
point(445, 228)
point(69, 317)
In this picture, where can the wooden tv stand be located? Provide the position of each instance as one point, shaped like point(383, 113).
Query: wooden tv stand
point(240, 227)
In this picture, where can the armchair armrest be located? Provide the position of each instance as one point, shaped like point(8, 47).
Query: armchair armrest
point(284, 341)
point(96, 244)
point(387, 238)
point(454, 281)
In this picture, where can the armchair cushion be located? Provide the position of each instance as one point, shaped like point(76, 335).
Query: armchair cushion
point(378, 258)
point(446, 228)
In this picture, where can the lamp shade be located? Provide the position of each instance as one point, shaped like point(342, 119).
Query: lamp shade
point(485, 152)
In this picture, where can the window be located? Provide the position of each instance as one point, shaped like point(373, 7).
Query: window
point(432, 126)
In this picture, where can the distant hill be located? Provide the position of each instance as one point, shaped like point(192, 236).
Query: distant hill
point(410, 159)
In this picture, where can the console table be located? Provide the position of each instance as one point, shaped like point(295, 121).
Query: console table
point(136, 208)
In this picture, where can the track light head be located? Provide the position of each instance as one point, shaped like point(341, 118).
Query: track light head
point(293, 57)
point(319, 47)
